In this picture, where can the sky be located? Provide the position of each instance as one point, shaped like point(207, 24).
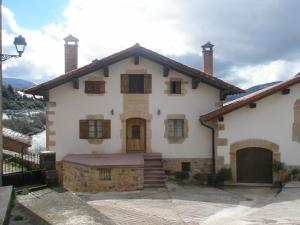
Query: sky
point(255, 41)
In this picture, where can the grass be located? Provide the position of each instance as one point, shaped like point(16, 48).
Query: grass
point(18, 218)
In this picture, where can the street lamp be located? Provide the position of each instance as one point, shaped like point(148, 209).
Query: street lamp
point(20, 45)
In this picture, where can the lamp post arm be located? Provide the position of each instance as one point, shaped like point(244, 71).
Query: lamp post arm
point(5, 57)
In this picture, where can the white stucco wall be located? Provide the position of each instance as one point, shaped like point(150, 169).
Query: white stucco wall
point(271, 120)
point(73, 105)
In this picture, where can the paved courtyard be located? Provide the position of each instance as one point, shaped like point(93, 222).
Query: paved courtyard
point(199, 205)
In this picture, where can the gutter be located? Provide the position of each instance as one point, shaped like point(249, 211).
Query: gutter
point(213, 146)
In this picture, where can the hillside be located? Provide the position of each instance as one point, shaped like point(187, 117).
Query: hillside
point(17, 83)
point(250, 90)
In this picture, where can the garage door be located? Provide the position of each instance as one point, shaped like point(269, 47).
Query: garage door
point(254, 165)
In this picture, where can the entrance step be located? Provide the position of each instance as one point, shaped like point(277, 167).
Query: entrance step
point(154, 174)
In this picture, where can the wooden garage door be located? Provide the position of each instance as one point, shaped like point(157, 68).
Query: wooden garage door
point(254, 165)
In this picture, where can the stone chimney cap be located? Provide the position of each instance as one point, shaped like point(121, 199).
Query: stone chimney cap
point(207, 46)
point(71, 38)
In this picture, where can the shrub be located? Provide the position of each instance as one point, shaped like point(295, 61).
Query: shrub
point(295, 172)
point(181, 175)
point(201, 177)
point(278, 166)
point(224, 174)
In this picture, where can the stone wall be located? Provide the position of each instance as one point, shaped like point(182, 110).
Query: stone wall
point(198, 165)
point(81, 178)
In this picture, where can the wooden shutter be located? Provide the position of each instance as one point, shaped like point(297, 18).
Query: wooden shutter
point(102, 87)
point(83, 129)
point(178, 87)
point(148, 83)
point(124, 83)
point(106, 129)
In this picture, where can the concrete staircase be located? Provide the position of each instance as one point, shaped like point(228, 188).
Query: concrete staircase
point(154, 174)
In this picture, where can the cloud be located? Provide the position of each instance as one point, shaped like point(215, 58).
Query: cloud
point(255, 43)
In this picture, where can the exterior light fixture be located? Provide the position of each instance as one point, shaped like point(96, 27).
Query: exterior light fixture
point(158, 112)
point(112, 112)
point(20, 45)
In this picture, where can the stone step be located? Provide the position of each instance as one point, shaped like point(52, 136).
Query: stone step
point(147, 165)
point(155, 169)
point(161, 185)
point(151, 176)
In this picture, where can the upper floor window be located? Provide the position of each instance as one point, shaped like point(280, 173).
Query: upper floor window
point(136, 83)
point(94, 87)
point(175, 87)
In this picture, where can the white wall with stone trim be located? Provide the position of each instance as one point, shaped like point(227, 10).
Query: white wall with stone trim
point(271, 120)
point(73, 105)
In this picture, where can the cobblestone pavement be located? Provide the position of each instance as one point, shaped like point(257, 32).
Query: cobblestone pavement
point(199, 205)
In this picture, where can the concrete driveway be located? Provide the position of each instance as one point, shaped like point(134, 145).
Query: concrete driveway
point(199, 205)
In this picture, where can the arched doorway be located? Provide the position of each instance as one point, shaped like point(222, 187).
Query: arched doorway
point(254, 165)
point(135, 135)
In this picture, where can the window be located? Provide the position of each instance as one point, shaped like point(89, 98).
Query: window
point(186, 166)
point(105, 174)
point(175, 128)
point(94, 87)
point(175, 87)
point(136, 84)
point(95, 129)
point(136, 132)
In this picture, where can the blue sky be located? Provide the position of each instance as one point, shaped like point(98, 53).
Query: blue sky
point(33, 14)
point(255, 41)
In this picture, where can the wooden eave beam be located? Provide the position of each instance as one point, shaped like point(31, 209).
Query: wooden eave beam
point(136, 59)
point(166, 71)
point(285, 91)
point(195, 82)
point(252, 105)
point(106, 71)
point(75, 82)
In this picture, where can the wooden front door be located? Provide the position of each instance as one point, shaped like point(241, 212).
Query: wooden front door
point(136, 135)
point(254, 165)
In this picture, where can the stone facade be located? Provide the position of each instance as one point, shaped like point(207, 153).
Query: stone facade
point(198, 165)
point(82, 178)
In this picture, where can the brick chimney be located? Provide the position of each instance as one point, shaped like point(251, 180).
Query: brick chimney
point(71, 53)
point(208, 61)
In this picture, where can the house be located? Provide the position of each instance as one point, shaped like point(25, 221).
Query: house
point(254, 130)
point(121, 122)
point(15, 141)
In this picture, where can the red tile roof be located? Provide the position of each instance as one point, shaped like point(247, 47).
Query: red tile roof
point(129, 52)
point(16, 136)
point(253, 97)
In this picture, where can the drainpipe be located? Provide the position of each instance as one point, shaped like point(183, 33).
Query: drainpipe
point(213, 146)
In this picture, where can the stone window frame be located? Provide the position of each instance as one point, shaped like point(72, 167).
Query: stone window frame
point(296, 124)
point(183, 86)
point(185, 128)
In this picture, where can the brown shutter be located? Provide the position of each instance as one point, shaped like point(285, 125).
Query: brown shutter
point(148, 83)
point(178, 87)
point(102, 87)
point(83, 129)
point(106, 129)
point(124, 83)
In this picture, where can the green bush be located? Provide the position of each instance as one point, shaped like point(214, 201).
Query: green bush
point(295, 172)
point(224, 174)
point(201, 177)
point(278, 166)
point(181, 175)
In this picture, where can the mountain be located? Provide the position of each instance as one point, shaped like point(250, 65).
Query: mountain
point(250, 90)
point(18, 83)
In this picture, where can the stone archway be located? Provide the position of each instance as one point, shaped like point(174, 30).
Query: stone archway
point(251, 143)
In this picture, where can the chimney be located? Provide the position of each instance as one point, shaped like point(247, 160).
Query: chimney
point(71, 53)
point(208, 61)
